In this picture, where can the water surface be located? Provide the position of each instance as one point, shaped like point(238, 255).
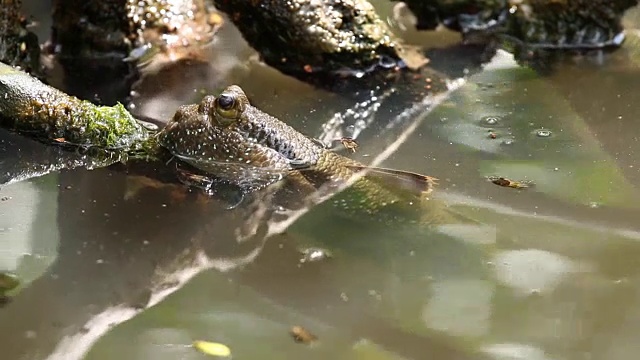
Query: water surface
point(548, 272)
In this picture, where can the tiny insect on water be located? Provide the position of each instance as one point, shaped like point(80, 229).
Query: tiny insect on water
point(349, 143)
point(302, 335)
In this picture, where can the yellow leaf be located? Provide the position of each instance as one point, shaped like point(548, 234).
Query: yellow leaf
point(211, 348)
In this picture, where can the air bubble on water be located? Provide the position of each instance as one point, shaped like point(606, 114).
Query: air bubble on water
point(490, 121)
point(507, 142)
point(314, 255)
point(543, 133)
point(594, 205)
point(534, 292)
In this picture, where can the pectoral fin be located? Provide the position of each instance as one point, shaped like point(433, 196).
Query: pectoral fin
point(297, 164)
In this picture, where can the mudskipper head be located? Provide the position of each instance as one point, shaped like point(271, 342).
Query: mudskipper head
point(208, 136)
point(227, 108)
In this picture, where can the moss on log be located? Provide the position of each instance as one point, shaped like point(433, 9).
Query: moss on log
point(31, 108)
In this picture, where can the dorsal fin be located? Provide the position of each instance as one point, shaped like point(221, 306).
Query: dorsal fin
point(413, 182)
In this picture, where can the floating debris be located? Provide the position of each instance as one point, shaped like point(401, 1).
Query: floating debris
point(500, 181)
point(8, 281)
point(212, 348)
point(314, 254)
point(302, 335)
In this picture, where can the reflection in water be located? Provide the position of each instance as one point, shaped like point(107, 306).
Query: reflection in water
point(108, 270)
point(522, 273)
point(549, 272)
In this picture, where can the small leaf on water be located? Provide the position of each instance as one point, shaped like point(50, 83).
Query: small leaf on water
point(500, 181)
point(8, 281)
point(211, 348)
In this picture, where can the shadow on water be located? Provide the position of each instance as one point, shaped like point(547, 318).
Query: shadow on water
point(126, 243)
point(548, 272)
point(121, 247)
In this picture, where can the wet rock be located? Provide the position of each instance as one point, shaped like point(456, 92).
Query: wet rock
point(462, 15)
point(90, 28)
point(172, 27)
point(545, 23)
point(568, 23)
point(317, 41)
point(112, 28)
point(18, 46)
point(102, 41)
point(538, 32)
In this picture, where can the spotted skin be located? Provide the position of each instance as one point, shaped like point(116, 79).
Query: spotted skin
point(264, 129)
point(228, 142)
point(225, 136)
point(195, 138)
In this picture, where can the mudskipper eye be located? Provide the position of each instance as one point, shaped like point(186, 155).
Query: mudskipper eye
point(226, 102)
point(227, 109)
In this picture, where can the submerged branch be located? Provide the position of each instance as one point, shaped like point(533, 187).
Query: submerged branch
point(36, 110)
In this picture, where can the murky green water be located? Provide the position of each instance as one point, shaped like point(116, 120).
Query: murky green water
point(548, 272)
